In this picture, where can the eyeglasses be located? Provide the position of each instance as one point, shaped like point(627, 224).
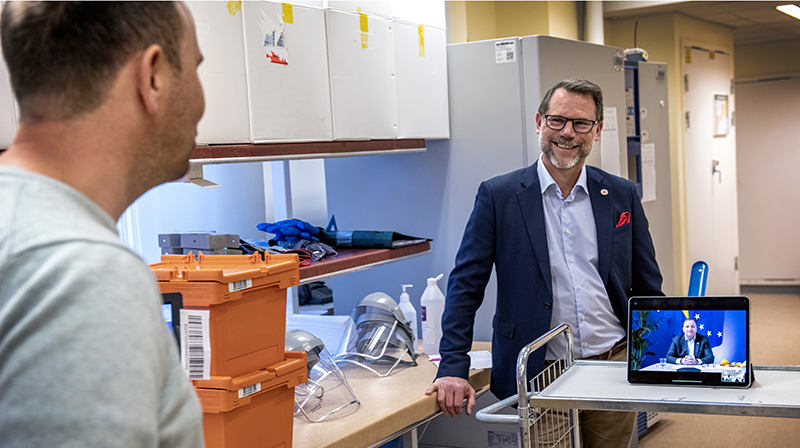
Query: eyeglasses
point(580, 125)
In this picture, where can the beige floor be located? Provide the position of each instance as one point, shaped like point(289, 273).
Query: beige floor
point(775, 339)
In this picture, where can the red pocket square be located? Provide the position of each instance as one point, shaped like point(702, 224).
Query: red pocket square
point(624, 218)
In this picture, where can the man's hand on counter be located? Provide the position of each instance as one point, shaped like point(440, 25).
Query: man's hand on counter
point(451, 394)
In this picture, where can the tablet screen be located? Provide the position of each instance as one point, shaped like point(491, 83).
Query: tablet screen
point(170, 311)
point(689, 341)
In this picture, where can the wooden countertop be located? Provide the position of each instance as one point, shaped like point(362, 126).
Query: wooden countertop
point(388, 406)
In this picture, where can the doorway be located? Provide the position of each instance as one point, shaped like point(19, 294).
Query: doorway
point(710, 157)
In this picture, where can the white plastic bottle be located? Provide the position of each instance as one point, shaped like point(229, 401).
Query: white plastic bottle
point(409, 311)
point(432, 308)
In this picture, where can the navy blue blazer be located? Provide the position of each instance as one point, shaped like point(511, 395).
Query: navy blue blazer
point(680, 348)
point(507, 230)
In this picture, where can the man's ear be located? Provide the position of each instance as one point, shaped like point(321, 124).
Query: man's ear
point(152, 77)
point(538, 123)
point(598, 131)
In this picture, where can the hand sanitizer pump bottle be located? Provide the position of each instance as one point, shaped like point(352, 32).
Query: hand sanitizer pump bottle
point(432, 308)
point(409, 312)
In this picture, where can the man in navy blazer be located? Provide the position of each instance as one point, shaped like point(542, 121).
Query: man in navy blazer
point(552, 266)
point(690, 348)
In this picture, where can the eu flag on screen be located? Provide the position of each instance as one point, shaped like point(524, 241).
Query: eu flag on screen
point(710, 323)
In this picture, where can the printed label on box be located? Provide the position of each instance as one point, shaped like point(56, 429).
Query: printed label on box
point(249, 390)
point(196, 344)
point(240, 285)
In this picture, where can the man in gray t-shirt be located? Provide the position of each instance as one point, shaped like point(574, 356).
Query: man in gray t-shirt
point(109, 101)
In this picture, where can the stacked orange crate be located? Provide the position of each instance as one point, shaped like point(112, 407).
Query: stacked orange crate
point(232, 343)
point(253, 410)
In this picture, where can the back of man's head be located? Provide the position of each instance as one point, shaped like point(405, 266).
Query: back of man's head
point(63, 57)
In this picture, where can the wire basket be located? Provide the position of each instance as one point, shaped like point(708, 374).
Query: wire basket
point(539, 427)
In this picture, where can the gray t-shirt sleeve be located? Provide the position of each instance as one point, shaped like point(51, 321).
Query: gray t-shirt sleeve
point(86, 358)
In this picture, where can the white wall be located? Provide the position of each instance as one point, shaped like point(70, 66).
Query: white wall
point(769, 196)
point(235, 207)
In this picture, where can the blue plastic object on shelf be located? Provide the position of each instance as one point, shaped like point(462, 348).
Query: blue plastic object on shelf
point(698, 279)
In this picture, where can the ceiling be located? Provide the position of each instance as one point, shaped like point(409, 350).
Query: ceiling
point(752, 21)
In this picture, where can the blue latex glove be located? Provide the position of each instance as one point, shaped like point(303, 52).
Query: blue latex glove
point(289, 231)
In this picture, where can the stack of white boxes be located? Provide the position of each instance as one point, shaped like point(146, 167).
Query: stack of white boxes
point(278, 72)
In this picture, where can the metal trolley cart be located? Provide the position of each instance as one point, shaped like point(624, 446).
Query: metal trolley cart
point(548, 404)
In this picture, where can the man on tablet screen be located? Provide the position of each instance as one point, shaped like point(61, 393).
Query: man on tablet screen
point(690, 348)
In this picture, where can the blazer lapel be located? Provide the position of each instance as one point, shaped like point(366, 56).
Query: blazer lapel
point(530, 202)
point(600, 194)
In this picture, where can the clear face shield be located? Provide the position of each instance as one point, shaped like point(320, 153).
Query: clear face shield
point(377, 337)
point(326, 394)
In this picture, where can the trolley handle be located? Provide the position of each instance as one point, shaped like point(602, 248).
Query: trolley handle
point(488, 414)
point(522, 359)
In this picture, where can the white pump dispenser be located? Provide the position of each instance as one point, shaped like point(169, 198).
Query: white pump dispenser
point(432, 308)
point(409, 312)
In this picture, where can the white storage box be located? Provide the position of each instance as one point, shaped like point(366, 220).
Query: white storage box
point(287, 72)
point(421, 80)
point(8, 111)
point(361, 55)
point(380, 8)
point(429, 12)
point(222, 73)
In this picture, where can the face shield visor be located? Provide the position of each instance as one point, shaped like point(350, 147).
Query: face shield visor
point(326, 394)
point(377, 337)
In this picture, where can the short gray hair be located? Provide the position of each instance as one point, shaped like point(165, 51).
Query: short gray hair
point(581, 86)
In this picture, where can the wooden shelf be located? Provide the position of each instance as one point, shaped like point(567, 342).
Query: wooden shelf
point(354, 260)
point(266, 152)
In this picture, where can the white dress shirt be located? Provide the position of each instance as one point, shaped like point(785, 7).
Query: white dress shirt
point(690, 345)
point(579, 295)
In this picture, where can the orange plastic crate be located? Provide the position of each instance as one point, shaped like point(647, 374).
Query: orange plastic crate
point(246, 299)
point(236, 415)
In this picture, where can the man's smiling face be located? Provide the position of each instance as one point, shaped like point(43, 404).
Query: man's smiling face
point(565, 148)
point(689, 329)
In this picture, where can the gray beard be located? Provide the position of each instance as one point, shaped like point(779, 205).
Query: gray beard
point(583, 152)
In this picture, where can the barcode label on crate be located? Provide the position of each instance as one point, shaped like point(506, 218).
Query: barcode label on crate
point(505, 51)
point(240, 285)
point(249, 390)
point(196, 344)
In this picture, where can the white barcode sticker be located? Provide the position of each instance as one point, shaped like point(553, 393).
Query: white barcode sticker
point(196, 344)
point(505, 51)
point(249, 390)
point(240, 285)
